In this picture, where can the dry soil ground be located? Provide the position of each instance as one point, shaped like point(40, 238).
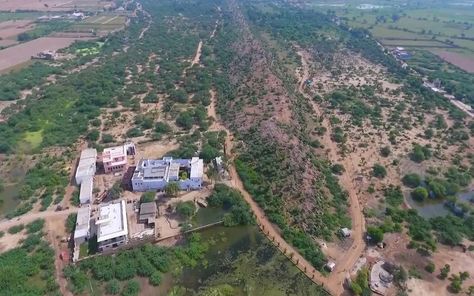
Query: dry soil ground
point(52, 5)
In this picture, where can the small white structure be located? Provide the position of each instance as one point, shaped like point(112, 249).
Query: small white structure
point(380, 279)
point(112, 228)
point(152, 175)
point(330, 266)
point(87, 165)
point(81, 233)
point(346, 232)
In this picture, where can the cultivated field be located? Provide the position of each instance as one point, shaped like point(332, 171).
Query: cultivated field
point(100, 23)
point(10, 29)
point(52, 5)
point(22, 53)
point(462, 61)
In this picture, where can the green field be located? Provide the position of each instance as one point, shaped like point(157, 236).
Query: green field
point(100, 23)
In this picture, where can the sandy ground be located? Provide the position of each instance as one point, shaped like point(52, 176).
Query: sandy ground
point(22, 53)
point(10, 241)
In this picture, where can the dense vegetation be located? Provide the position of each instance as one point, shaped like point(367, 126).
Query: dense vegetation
point(29, 268)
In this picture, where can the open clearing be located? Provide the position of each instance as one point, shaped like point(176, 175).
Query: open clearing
point(464, 62)
point(52, 5)
point(22, 53)
point(100, 23)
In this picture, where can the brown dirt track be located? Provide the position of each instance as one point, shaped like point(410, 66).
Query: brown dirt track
point(457, 59)
point(10, 29)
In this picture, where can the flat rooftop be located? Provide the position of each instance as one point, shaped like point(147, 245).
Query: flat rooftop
point(83, 222)
point(112, 221)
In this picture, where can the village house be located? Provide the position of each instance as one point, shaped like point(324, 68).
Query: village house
point(85, 174)
point(114, 159)
point(152, 175)
point(82, 230)
point(112, 228)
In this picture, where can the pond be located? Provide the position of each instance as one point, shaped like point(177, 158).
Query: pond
point(435, 207)
point(241, 260)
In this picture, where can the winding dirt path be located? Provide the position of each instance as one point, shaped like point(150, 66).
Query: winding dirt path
point(345, 262)
point(265, 225)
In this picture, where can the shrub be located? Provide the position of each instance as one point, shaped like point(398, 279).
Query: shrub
point(148, 197)
point(375, 233)
point(411, 180)
point(112, 287)
point(71, 222)
point(132, 288)
point(186, 209)
point(107, 138)
point(385, 151)
point(16, 229)
point(430, 267)
point(419, 194)
point(35, 226)
point(155, 278)
point(338, 169)
point(93, 135)
point(379, 171)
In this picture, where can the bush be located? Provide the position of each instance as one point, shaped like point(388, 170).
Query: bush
point(148, 197)
point(375, 233)
point(71, 222)
point(112, 287)
point(430, 267)
point(186, 209)
point(16, 229)
point(132, 288)
point(379, 171)
point(35, 226)
point(107, 138)
point(411, 180)
point(419, 194)
point(385, 151)
point(155, 279)
point(93, 135)
point(338, 169)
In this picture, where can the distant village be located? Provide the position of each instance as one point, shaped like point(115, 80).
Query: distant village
point(116, 221)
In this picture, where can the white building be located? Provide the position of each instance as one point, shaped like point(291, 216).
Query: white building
point(87, 165)
point(112, 228)
point(152, 175)
point(85, 193)
point(81, 233)
point(114, 159)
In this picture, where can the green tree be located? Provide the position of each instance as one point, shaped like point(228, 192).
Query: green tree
point(385, 151)
point(132, 288)
point(71, 222)
point(116, 191)
point(444, 271)
point(148, 197)
point(172, 189)
point(155, 278)
point(93, 135)
point(411, 180)
point(419, 194)
point(430, 267)
point(338, 169)
point(375, 233)
point(379, 171)
point(186, 209)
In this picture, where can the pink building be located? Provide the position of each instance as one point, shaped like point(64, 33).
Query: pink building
point(114, 159)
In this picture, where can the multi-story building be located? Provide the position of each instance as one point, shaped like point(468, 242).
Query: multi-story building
point(112, 228)
point(152, 175)
point(114, 159)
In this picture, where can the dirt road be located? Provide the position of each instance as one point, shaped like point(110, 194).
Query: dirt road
point(265, 225)
point(30, 217)
point(345, 262)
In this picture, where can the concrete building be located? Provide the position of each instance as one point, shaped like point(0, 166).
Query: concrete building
point(85, 193)
point(112, 228)
point(82, 231)
point(87, 165)
point(114, 159)
point(152, 175)
point(148, 211)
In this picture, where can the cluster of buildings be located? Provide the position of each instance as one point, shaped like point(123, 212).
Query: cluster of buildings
point(153, 175)
point(401, 53)
point(111, 225)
